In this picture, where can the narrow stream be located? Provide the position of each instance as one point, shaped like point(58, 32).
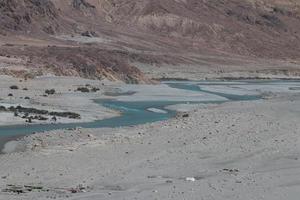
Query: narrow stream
point(135, 113)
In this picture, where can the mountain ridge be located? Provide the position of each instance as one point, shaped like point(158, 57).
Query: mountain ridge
point(145, 29)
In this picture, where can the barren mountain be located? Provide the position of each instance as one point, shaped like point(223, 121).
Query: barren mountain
point(17, 15)
point(223, 35)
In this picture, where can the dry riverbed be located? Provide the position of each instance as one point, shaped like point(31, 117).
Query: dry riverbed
point(238, 150)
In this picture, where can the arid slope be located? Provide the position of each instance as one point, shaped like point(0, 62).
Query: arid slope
point(170, 32)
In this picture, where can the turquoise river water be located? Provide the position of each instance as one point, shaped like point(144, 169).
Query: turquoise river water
point(135, 113)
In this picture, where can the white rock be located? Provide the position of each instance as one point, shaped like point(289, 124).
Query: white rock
point(192, 179)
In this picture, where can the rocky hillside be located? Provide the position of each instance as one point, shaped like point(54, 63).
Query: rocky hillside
point(21, 15)
point(258, 28)
point(269, 28)
point(155, 31)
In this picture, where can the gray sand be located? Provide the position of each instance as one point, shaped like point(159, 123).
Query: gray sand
point(238, 150)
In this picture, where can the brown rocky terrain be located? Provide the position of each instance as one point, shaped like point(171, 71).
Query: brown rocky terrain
point(107, 38)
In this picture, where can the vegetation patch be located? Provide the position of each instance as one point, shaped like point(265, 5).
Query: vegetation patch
point(14, 87)
point(50, 92)
point(88, 88)
point(31, 114)
point(83, 89)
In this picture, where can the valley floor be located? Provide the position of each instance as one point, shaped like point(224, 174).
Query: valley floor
point(238, 150)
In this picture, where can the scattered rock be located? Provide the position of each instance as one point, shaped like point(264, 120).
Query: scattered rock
point(191, 179)
point(89, 34)
point(231, 170)
point(185, 115)
point(14, 87)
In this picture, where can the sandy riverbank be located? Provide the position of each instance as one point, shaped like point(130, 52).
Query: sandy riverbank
point(31, 94)
point(240, 150)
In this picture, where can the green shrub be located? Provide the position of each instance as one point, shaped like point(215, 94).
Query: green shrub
point(83, 89)
point(50, 92)
point(14, 87)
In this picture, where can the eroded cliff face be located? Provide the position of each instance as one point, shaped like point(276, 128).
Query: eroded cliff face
point(155, 31)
